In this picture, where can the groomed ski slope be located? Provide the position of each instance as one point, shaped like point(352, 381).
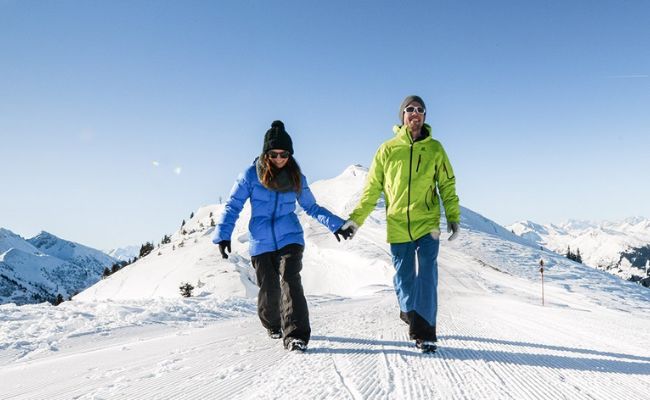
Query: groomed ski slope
point(496, 342)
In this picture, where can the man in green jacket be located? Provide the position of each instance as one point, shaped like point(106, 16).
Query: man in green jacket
point(414, 173)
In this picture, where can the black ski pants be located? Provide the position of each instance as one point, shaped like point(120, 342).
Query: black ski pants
point(281, 302)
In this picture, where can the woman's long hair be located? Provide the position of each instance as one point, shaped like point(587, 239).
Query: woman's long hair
point(270, 173)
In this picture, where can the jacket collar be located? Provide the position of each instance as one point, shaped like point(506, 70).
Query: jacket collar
point(403, 133)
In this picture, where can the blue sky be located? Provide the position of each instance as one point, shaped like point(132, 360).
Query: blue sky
point(543, 107)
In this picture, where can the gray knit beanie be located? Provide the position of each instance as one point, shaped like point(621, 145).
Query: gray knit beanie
point(406, 102)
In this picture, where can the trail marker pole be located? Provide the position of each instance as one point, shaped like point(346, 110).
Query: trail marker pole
point(541, 271)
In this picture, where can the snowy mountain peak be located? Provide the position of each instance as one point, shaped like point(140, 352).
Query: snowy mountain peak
point(46, 240)
point(10, 240)
point(354, 170)
point(126, 253)
point(6, 233)
point(45, 266)
point(637, 220)
point(576, 224)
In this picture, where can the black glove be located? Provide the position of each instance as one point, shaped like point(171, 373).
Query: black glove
point(223, 245)
point(345, 233)
point(454, 228)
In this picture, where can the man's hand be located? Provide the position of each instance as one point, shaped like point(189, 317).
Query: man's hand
point(348, 230)
point(223, 245)
point(454, 228)
point(345, 233)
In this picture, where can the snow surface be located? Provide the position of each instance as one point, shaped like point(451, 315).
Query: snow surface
point(133, 336)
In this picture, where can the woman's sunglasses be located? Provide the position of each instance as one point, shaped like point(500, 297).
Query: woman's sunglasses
point(282, 154)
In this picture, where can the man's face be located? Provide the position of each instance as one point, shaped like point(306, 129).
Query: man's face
point(414, 119)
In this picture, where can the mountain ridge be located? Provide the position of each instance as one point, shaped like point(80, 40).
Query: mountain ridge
point(621, 248)
point(44, 267)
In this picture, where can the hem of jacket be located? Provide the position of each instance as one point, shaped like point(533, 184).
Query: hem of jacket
point(266, 248)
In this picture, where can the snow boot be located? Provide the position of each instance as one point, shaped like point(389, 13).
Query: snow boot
point(426, 346)
point(296, 345)
point(274, 333)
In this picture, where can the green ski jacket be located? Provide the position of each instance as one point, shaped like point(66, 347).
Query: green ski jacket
point(413, 176)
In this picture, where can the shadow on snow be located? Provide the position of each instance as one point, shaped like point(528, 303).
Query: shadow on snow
point(614, 363)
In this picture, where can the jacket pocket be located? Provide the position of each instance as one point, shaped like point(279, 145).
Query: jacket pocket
point(287, 203)
point(262, 202)
point(428, 194)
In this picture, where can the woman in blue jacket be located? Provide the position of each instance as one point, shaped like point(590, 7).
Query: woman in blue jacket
point(273, 184)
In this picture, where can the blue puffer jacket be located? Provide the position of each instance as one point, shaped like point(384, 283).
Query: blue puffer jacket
point(274, 223)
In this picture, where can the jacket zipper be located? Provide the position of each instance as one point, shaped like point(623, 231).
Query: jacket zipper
point(426, 198)
point(419, 159)
point(275, 241)
point(408, 204)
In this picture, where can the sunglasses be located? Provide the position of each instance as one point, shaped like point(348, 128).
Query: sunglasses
point(283, 154)
point(419, 110)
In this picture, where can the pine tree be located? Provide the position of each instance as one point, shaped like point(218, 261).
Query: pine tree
point(192, 215)
point(183, 223)
point(58, 300)
point(146, 249)
point(569, 254)
point(166, 239)
point(115, 268)
point(107, 273)
point(186, 289)
point(577, 257)
point(212, 222)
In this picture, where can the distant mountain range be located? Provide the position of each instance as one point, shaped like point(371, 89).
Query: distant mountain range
point(45, 266)
point(127, 253)
point(621, 248)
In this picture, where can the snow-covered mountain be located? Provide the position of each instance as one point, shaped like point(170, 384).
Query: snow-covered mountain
point(621, 248)
point(126, 253)
point(40, 268)
point(330, 268)
point(132, 335)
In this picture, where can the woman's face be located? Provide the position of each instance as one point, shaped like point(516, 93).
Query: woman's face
point(278, 157)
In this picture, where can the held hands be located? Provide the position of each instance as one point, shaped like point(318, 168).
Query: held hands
point(223, 245)
point(454, 228)
point(347, 231)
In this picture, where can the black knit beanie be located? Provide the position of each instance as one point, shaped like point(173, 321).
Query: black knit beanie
point(277, 138)
point(406, 102)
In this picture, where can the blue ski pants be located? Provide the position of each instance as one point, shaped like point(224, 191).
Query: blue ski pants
point(416, 284)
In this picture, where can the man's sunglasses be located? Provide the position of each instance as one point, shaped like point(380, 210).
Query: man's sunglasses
point(410, 109)
point(283, 154)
